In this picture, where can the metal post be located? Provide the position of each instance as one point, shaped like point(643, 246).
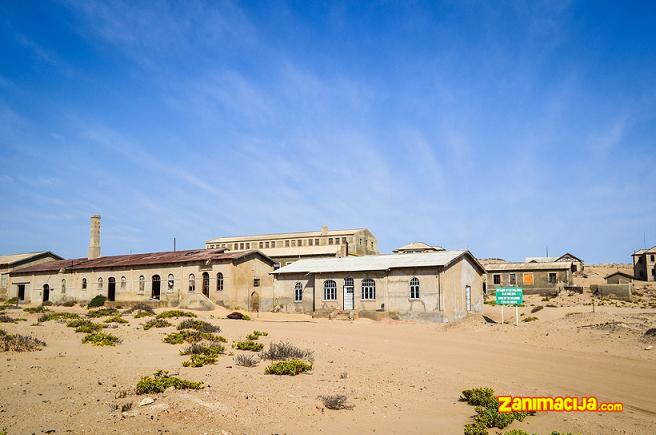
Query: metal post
point(516, 315)
point(502, 322)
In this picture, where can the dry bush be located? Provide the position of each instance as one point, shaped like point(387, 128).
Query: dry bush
point(283, 351)
point(336, 401)
point(536, 309)
point(246, 360)
point(19, 343)
point(140, 307)
point(7, 319)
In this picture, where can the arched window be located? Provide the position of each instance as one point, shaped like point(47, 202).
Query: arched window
point(329, 290)
point(298, 292)
point(368, 289)
point(171, 282)
point(142, 284)
point(124, 282)
point(192, 282)
point(348, 282)
point(100, 284)
point(63, 288)
point(219, 281)
point(84, 283)
point(414, 288)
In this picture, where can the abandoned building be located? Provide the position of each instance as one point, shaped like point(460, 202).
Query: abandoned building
point(9, 263)
point(577, 263)
point(618, 277)
point(438, 286)
point(239, 280)
point(644, 264)
point(534, 277)
point(416, 247)
point(285, 248)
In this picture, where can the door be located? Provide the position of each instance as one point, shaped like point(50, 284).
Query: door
point(155, 287)
point(46, 292)
point(111, 289)
point(468, 297)
point(206, 284)
point(21, 292)
point(255, 302)
point(349, 291)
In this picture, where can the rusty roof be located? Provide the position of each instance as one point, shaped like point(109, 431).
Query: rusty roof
point(147, 259)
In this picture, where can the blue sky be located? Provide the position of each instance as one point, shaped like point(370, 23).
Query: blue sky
point(500, 127)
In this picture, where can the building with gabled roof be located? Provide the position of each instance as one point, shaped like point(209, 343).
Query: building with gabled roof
point(437, 286)
point(415, 247)
point(577, 263)
point(11, 262)
point(644, 264)
point(534, 277)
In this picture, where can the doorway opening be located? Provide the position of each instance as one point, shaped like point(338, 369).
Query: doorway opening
point(468, 297)
point(21, 292)
point(155, 287)
point(349, 292)
point(46, 292)
point(255, 302)
point(111, 289)
point(206, 284)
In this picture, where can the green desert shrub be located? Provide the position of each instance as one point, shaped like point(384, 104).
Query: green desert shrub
point(19, 343)
point(12, 301)
point(199, 360)
point(102, 312)
point(283, 351)
point(516, 432)
point(116, 319)
point(255, 335)
point(161, 380)
point(34, 310)
point(191, 336)
point(7, 319)
point(156, 323)
point(89, 328)
point(248, 345)
point(97, 301)
point(290, 367)
point(101, 339)
point(198, 325)
point(174, 314)
point(212, 348)
point(69, 303)
point(140, 314)
point(60, 316)
point(487, 410)
point(475, 429)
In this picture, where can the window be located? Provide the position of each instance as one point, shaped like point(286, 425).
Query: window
point(639, 259)
point(337, 240)
point(330, 241)
point(63, 288)
point(329, 290)
point(527, 279)
point(344, 240)
point(298, 292)
point(261, 245)
point(286, 243)
point(551, 277)
point(100, 284)
point(651, 257)
point(513, 279)
point(368, 289)
point(372, 245)
point(316, 242)
point(219, 281)
point(496, 278)
point(192, 282)
point(256, 282)
point(124, 282)
point(241, 246)
point(300, 242)
point(266, 244)
point(414, 288)
point(3, 280)
point(84, 283)
point(142, 284)
point(171, 282)
point(348, 282)
point(310, 242)
point(248, 245)
point(276, 266)
point(273, 244)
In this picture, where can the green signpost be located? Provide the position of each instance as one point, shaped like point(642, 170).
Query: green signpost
point(510, 296)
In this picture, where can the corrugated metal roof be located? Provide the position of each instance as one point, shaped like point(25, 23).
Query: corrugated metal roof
point(374, 262)
point(509, 267)
point(153, 258)
point(15, 258)
point(540, 259)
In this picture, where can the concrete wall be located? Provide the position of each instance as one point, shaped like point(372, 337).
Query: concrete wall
point(613, 291)
point(618, 279)
point(540, 284)
point(238, 283)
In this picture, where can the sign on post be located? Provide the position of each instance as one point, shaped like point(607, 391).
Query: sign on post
point(510, 296)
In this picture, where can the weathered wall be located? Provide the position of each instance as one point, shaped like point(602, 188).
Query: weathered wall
point(613, 291)
point(540, 280)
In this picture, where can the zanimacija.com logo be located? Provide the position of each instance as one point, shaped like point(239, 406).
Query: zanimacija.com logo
point(557, 404)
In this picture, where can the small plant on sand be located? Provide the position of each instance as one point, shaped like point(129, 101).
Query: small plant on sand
point(198, 325)
point(116, 319)
point(516, 432)
point(161, 380)
point(84, 325)
point(7, 319)
point(140, 307)
point(156, 323)
point(102, 312)
point(291, 367)
point(34, 310)
point(58, 316)
point(282, 351)
point(199, 360)
point(246, 360)
point(529, 319)
point(140, 314)
point(191, 336)
point(174, 314)
point(97, 301)
point(336, 401)
point(210, 348)
point(255, 335)
point(536, 309)
point(19, 343)
point(12, 301)
point(487, 411)
point(248, 345)
point(101, 339)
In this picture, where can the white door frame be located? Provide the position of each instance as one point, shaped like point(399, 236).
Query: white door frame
point(344, 291)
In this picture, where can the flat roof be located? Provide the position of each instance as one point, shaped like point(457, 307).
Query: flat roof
point(503, 267)
point(291, 235)
point(376, 262)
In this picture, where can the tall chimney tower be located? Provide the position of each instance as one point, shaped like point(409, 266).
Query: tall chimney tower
point(94, 237)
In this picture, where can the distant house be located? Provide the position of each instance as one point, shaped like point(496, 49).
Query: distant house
point(534, 277)
point(9, 263)
point(644, 264)
point(577, 263)
point(416, 247)
point(618, 277)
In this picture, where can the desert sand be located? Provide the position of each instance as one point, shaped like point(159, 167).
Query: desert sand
point(400, 377)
